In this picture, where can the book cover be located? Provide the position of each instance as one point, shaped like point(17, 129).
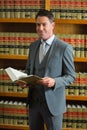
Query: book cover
point(19, 76)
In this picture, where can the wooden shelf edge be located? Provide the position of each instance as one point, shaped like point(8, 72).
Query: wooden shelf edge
point(13, 94)
point(77, 98)
point(22, 127)
point(19, 57)
point(24, 57)
point(17, 20)
point(17, 127)
point(24, 95)
point(84, 59)
point(70, 21)
point(73, 129)
point(31, 20)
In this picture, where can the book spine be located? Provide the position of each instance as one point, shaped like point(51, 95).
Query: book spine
point(6, 41)
point(22, 8)
point(76, 83)
point(79, 116)
point(69, 117)
point(65, 120)
point(17, 5)
point(84, 116)
point(6, 115)
point(1, 80)
point(11, 43)
point(63, 13)
point(85, 82)
point(7, 8)
point(2, 9)
point(74, 116)
point(5, 81)
point(22, 114)
point(21, 44)
point(82, 85)
point(1, 43)
point(84, 10)
point(78, 45)
point(82, 49)
point(1, 112)
point(71, 90)
point(85, 45)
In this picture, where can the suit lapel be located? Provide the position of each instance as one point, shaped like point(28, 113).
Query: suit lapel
point(36, 48)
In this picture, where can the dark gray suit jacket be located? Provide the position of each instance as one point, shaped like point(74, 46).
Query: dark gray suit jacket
point(59, 66)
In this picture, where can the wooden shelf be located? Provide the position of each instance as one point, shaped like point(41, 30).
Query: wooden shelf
point(22, 127)
point(17, 20)
point(76, 98)
point(80, 59)
point(31, 20)
point(24, 57)
point(12, 94)
point(12, 127)
point(24, 95)
point(70, 21)
point(72, 129)
point(19, 57)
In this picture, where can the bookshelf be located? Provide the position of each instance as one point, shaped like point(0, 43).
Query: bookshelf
point(63, 26)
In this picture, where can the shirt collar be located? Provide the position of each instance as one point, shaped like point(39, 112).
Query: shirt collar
point(50, 40)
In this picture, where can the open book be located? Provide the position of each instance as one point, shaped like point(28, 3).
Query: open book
point(19, 76)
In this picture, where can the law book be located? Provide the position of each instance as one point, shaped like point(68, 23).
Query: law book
point(65, 118)
point(69, 116)
point(84, 116)
point(78, 45)
point(6, 113)
point(71, 89)
point(82, 84)
point(85, 45)
point(74, 116)
point(79, 116)
point(82, 49)
point(22, 114)
point(1, 112)
point(19, 76)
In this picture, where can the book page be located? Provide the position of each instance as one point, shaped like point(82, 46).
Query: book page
point(18, 76)
point(15, 74)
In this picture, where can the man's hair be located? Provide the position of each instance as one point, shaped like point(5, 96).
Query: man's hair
point(45, 13)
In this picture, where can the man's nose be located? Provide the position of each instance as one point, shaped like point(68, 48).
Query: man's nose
point(41, 27)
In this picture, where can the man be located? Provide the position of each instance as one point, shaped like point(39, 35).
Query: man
point(46, 98)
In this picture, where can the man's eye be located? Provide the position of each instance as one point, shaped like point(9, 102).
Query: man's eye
point(41, 25)
point(37, 24)
point(44, 24)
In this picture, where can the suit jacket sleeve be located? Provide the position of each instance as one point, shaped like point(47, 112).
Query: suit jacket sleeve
point(68, 69)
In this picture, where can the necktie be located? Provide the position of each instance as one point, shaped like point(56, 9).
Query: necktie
point(42, 51)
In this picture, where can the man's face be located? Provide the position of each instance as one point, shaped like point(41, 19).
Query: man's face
point(44, 27)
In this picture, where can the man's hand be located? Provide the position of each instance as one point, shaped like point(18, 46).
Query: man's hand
point(47, 81)
point(22, 84)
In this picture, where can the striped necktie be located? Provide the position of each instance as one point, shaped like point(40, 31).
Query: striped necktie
point(42, 51)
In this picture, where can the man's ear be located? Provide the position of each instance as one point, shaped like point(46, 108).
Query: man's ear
point(53, 25)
